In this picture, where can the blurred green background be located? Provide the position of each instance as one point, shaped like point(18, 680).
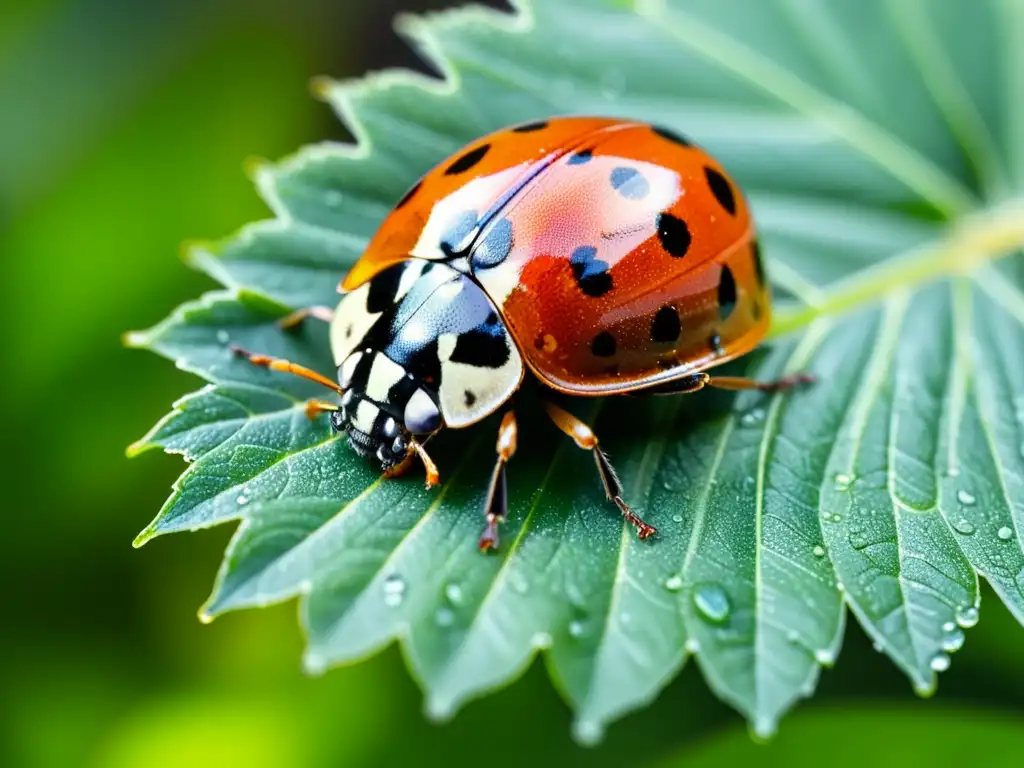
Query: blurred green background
point(123, 128)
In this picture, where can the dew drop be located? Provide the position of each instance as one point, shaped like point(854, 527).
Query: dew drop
point(878, 646)
point(825, 657)
point(843, 482)
point(949, 626)
point(793, 636)
point(967, 616)
point(587, 732)
point(223, 336)
point(752, 418)
point(819, 551)
point(963, 526)
point(765, 727)
point(242, 500)
point(712, 602)
point(444, 617)
point(1005, 533)
point(953, 641)
point(965, 497)
point(314, 664)
point(394, 590)
point(674, 583)
point(454, 593)
point(575, 629)
point(953, 472)
point(939, 662)
point(677, 518)
point(692, 645)
point(858, 540)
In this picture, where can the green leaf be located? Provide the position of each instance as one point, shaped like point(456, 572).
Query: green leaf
point(882, 147)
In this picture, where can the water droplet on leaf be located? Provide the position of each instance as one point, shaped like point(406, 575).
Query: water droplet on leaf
point(674, 583)
point(965, 497)
point(963, 526)
point(454, 593)
point(752, 418)
point(967, 616)
point(843, 482)
point(712, 602)
point(394, 590)
point(825, 657)
point(576, 629)
point(444, 617)
point(953, 641)
point(819, 551)
point(939, 662)
point(1005, 533)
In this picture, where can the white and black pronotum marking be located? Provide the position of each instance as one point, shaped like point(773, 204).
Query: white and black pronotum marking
point(419, 347)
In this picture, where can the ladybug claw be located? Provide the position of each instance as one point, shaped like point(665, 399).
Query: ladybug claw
point(489, 538)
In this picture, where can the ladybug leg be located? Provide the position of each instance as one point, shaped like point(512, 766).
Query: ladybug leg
point(738, 382)
point(585, 438)
point(277, 364)
point(315, 407)
point(417, 449)
point(295, 319)
point(497, 492)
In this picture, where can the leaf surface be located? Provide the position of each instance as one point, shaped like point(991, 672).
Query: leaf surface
point(889, 193)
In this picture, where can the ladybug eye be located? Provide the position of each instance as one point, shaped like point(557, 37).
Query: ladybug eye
point(421, 415)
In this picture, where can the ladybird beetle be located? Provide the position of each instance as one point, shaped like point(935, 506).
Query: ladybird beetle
point(603, 256)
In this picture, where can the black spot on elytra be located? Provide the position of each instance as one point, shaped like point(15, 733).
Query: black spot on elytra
point(674, 235)
point(409, 195)
point(383, 289)
point(670, 135)
point(603, 345)
point(592, 275)
point(537, 125)
point(666, 326)
point(462, 227)
point(481, 348)
point(721, 189)
point(581, 157)
point(630, 183)
point(755, 249)
point(726, 292)
point(495, 246)
point(468, 160)
point(469, 398)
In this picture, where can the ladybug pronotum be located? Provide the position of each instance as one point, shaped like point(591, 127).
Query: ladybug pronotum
point(603, 256)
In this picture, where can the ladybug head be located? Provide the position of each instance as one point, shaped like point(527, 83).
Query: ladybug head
point(383, 408)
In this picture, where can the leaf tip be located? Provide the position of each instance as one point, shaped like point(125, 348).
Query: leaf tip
point(135, 339)
point(254, 167)
point(314, 663)
point(194, 252)
point(588, 733)
point(137, 448)
point(763, 729)
point(321, 87)
point(439, 710)
point(149, 532)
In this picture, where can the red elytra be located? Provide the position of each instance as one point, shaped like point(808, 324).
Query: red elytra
point(606, 256)
point(633, 255)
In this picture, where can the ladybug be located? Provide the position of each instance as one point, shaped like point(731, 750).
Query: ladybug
point(602, 256)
